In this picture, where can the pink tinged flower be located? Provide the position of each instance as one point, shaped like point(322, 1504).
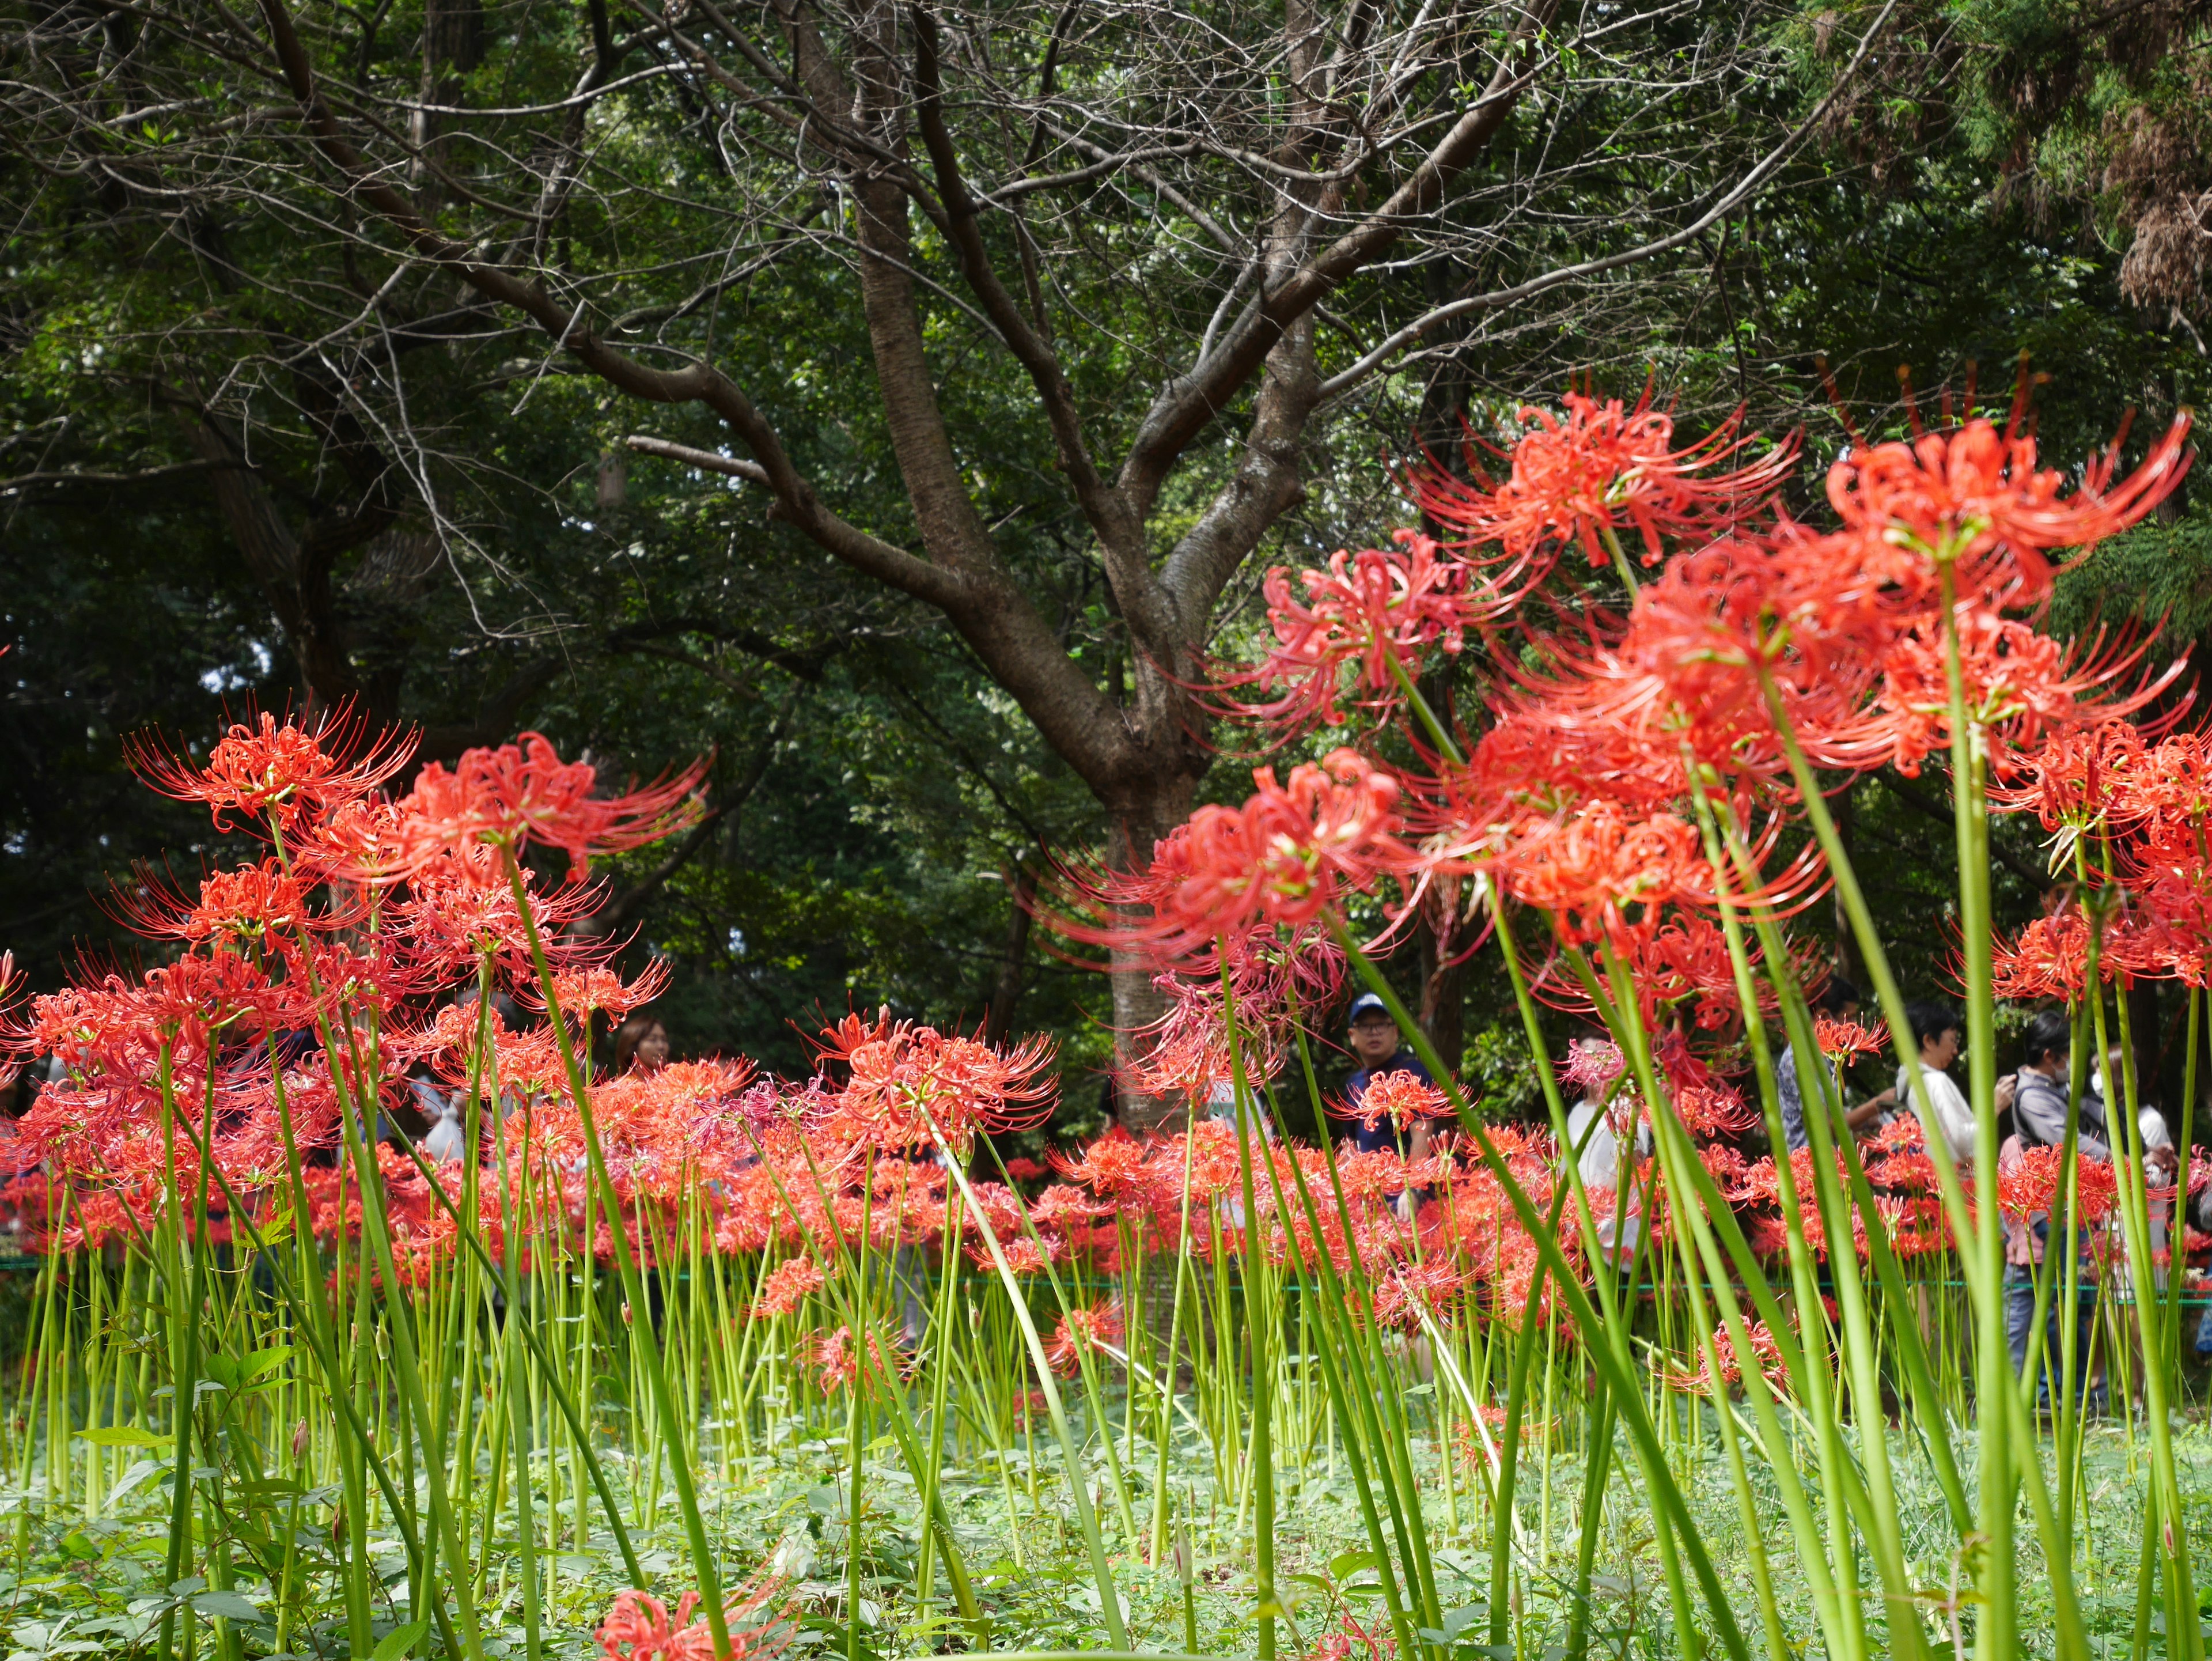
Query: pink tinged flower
point(1357, 628)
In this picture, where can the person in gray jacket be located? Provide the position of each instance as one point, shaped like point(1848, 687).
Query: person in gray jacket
point(2038, 1110)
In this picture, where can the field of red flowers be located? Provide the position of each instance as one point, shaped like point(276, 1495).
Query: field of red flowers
point(703, 1362)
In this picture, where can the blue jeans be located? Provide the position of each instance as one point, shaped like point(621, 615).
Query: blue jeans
point(2019, 1322)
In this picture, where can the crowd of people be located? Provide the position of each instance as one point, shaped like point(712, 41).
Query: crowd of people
point(2036, 1109)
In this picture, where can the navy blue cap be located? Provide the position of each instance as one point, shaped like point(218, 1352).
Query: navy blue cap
point(1363, 1003)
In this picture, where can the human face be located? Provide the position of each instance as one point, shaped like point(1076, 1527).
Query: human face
point(1940, 1051)
point(1374, 1038)
point(651, 1053)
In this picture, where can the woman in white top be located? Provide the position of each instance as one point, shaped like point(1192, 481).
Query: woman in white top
point(1593, 1125)
point(1938, 1030)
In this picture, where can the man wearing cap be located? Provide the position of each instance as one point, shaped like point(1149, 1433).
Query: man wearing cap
point(1379, 1048)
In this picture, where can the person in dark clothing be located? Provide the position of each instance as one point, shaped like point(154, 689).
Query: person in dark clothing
point(1838, 1001)
point(1380, 1048)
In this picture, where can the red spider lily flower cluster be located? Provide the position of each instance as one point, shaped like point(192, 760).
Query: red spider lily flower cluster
point(524, 793)
point(1845, 1041)
point(759, 1619)
point(1370, 614)
point(909, 1086)
point(2128, 813)
point(1581, 478)
point(1626, 752)
point(1401, 1099)
point(1291, 854)
point(1083, 1332)
point(310, 983)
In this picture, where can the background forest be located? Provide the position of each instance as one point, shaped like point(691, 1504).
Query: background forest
point(260, 443)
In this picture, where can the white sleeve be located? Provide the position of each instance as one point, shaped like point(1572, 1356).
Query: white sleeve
point(1953, 1113)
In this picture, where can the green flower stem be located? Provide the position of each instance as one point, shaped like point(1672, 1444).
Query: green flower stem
point(513, 1368)
point(1678, 1160)
point(1079, 1488)
point(1351, 1405)
point(1997, 1630)
point(349, 1411)
point(1611, 1361)
point(645, 1343)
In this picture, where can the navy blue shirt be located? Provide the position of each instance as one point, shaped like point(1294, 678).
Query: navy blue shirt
point(1381, 1133)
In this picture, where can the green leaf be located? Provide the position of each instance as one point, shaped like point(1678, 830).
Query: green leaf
point(227, 1604)
point(396, 1642)
point(261, 1360)
point(1345, 1565)
point(124, 1436)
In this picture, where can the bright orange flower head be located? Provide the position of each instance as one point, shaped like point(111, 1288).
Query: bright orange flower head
point(1602, 873)
point(1401, 1098)
point(2020, 686)
point(1290, 854)
point(909, 1086)
point(1843, 1040)
point(1603, 469)
point(1977, 498)
point(638, 1627)
point(244, 905)
point(267, 771)
point(523, 793)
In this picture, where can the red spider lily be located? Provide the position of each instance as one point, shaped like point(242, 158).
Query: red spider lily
point(1975, 496)
point(837, 1359)
point(594, 990)
point(1686, 962)
point(1024, 1255)
point(1114, 1166)
point(1273, 980)
point(788, 1285)
point(1082, 1332)
point(1402, 1099)
point(524, 793)
point(2031, 1184)
point(1410, 1292)
point(1348, 1640)
point(2018, 685)
point(1765, 1354)
point(1709, 1110)
point(242, 907)
point(459, 907)
point(1845, 1041)
point(1592, 1065)
point(638, 1627)
point(908, 1086)
point(2088, 776)
point(1813, 617)
point(268, 772)
point(1542, 753)
point(2172, 790)
point(1376, 609)
point(2049, 959)
point(1291, 853)
point(1601, 470)
point(1602, 873)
